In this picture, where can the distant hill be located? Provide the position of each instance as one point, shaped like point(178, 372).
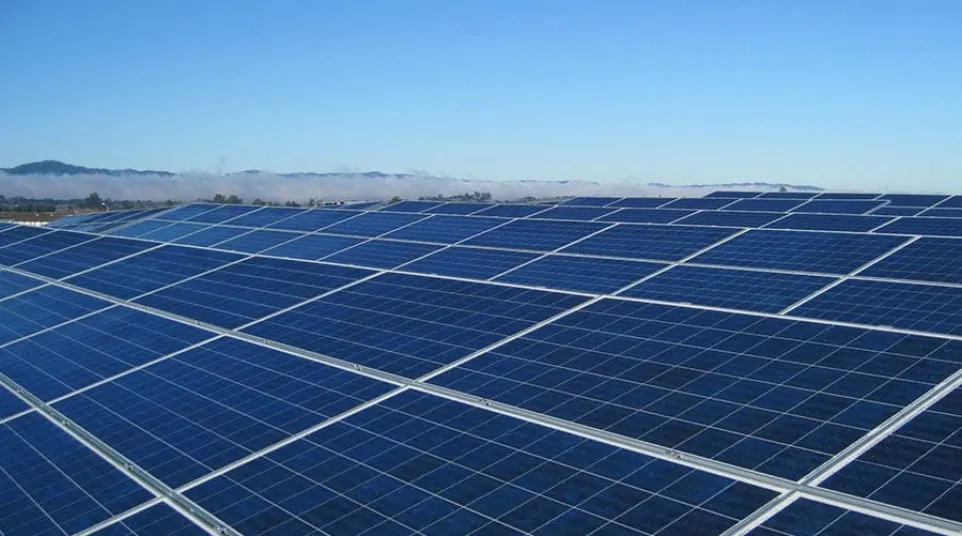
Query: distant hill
point(53, 167)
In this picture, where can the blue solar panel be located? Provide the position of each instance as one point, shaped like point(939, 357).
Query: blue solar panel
point(913, 200)
point(809, 518)
point(700, 203)
point(85, 256)
point(952, 202)
point(265, 216)
point(807, 251)
point(897, 211)
point(574, 213)
point(42, 308)
point(643, 202)
point(590, 201)
point(730, 219)
point(581, 273)
point(926, 259)
point(249, 290)
point(943, 213)
point(659, 242)
point(733, 194)
point(52, 484)
point(188, 211)
point(313, 246)
point(770, 394)
point(257, 241)
point(536, 235)
point(140, 228)
point(768, 292)
point(472, 263)
point(830, 222)
point(919, 467)
point(511, 211)
point(75, 355)
point(904, 305)
point(844, 195)
point(103, 228)
point(158, 520)
point(11, 283)
point(364, 205)
point(151, 270)
point(312, 220)
point(10, 405)
point(924, 226)
point(765, 205)
point(411, 325)
point(173, 232)
point(212, 236)
point(195, 412)
point(458, 208)
point(851, 206)
point(646, 215)
point(445, 229)
point(411, 206)
point(420, 464)
point(385, 254)
point(20, 233)
point(788, 195)
point(222, 214)
point(374, 223)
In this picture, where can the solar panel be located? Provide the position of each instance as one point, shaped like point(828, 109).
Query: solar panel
point(830, 222)
point(200, 410)
point(846, 195)
point(11, 283)
point(212, 235)
point(535, 235)
point(733, 194)
point(643, 202)
point(411, 206)
point(919, 467)
point(458, 208)
point(385, 254)
point(952, 202)
point(765, 205)
point(257, 241)
point(807, 251)
point(700, 203)
point(313, 246)
point(188, 211)
point(646, 215)
point(265, 216)
point(246, 291)
point(926, 259)
point(10, 404)
point(140, 228)
point(419, 464)
point(809, 518)
point(374, 223)
point(158, 519)
point(856, 206)
point(474, 263)
point(222, 214)
point(573, 213)
point(943, 213)
point(913, 200)
point(921, 307)
point(19, 234)
point(923, 226)
point(897, 211)
point(774, 395)
point(591, 201)
point(658, 242)
point(768, 292)
point(730, 218)
point(172, 232)
point(312, 220)
point(411, 325)
point(365, 205)
point(511, 211)
point(42, 308)
point(85, 256)
point(445, 229)
point(580, 273)
point(788, 195)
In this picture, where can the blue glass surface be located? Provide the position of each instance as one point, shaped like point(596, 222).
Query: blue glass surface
point(140, 228)
point(85, 256)
point(580, 273)
point(384, 254)
point(922, 226)
point(51, 484)
point(474, 263)
point(265, 216)
point(830, 222)
point(952, 202)
point(897, 211)
point(11, 283)
point(411, 206)
point(419, 464)
point(700, 203)
point(788, 195)
point(511, 211)
point(918, 467)
point(313, 246)
point(590, 201)
point(257, 241)
point(173, 231)
point(20, 233)
point(807, 251)
point(190, 414)
point(730, 218)
point(42, 308)
point(10, 404)
point(776, 395)
point(942, 213)
point(768, 292)
point(222, 214)
point(927, 259)
point(646, 215)
point(535, 235)
point(809, 518)
point(364, 205)
point(411, 325)
point(904, 305)
point(458, 208)
point(374, 223)
point(765, 205)
point(188, 211)
point(312, 220)
point(212, 235)
point(573, 213)
point(151, 270)
point(847, 195)
point(913, 200)
point(75, 355)
point(241, 293)
point(103, 228)
point(643, 202)
point(158, 520)
point(733, 194)
point(850, 206)
point(657, 242)
point(445, 229)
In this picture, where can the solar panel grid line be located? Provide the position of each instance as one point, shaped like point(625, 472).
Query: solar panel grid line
point(368, 239)
point(22, 292)
point(763, 514)
point(449, 246)
point(883, 224)
point(556, 250)
point(134, 221)
point(92, 237)
point(58, 325)
point(32, 234)
point(15, 415)
point(122, 516)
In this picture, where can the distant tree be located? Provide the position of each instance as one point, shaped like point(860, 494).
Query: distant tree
point(220, 198)
point(292, 204)
point(259, 202)
point(93, 200)
point(234, 200)
point(394, 199)
point(312, 202)
point(170, 202)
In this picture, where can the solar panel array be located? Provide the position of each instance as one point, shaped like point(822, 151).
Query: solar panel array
point(779, 363)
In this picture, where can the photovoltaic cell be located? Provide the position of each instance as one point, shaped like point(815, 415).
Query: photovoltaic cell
point(846, 195)
point(775, 395)
point(824, 252)
point(580, 273)
point(953, 202)
point(942, 213)
point(830, 222)
point(11, 283)
point(173, 232)
point(10, 405)
point(364, 205)
point(768, 292)
point(591, 201)
point(410, 325)
point(313, 246)
point(658, 242)
point(212, 235)
point(511, 211)
point(913, 200)
point(187, 212)
point(140, 228)
point(926, 259)
point(85, 256)
point(788, 195)
point(241, 293)
point(42, 308)
point(374, 223)
point(20, 233)
point(445, 229)
point(193, 413)
point(158, 520)
point(52, 484)
point(458, 208)
point(151, 270)
point(384, 254)
point(411, 206)
point(222, 214)
point(897, 211)
point(903, 305)
point(573, 213)
point(312, 220)
point(765, 205)
point(646, 215)
point(809, 518)
point(257, 241)
point(419, 464)
point(75, 355)
point(730, 219)
point(104, 227)
point(265, 216)
point(474, 263)
point(535, 235)
point(733, 194)
point(922, 226)
point(851, 206)
point(643, 202)
point(700, 203)
point(918, 467)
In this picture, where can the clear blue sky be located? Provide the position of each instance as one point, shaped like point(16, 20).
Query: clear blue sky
point(842, 94)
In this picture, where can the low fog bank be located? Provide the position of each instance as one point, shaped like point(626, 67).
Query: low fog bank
point(273, 187)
